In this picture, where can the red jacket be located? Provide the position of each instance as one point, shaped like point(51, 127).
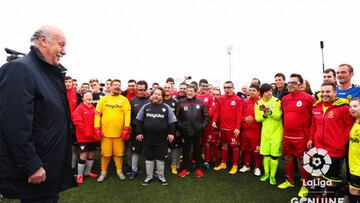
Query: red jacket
point(297, 111)
point(208, 100)
point(83, 119)
point(72, 99)
point(248, 110)
point(228, 111)
point(330, 131)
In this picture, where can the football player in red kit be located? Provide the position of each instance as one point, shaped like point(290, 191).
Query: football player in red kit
point(297, 107)
point(228, 113)
point(251, 132)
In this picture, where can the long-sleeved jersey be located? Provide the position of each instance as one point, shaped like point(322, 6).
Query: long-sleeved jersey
point(83, 119)
point(297, 108)
point(208, 99)
point(113, 113)
point(248, 110)
point(228, 111)
point(72, 99)
point(136, 104)
point(272, 127)
point(330, 126)
point(156, 121)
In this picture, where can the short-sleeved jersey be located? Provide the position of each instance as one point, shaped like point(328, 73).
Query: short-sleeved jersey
point(156, 122)
point(113, 113)
point(354, 150)
point(352, 92)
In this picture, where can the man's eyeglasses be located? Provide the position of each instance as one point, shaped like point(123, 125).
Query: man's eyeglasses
point(293, 83)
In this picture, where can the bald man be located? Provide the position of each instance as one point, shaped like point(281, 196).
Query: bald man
point(35, 143)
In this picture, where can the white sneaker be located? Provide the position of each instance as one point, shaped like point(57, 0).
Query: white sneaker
point(244, 169)
point(121, 176)
point(257, 172)
point(101, 178)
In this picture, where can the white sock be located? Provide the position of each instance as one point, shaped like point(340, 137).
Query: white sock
point(88, 166)
point(150, 168)
point(134, 162)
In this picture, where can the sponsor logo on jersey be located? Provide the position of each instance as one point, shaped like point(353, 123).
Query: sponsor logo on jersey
point(154, 115)
point(186, 108)
point(113, 106)
point(298, 103)
point(147, 109)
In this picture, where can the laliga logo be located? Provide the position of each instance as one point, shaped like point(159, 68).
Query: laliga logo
point(316, 161)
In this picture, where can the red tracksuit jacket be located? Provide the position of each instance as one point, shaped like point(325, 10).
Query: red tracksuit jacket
point(72, 99)
point(228, 110)
point(208, 100)
point(248, 110)
point(83, 119)
point(330, 130)
point(297, 111)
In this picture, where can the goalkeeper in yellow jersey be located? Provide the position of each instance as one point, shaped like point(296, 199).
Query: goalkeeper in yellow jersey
point(112, 123)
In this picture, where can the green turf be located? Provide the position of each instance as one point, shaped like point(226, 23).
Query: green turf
point(216, 186)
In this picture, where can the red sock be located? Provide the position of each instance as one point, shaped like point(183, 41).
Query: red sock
point(207, 152)
point(304, 174)
point(235, 156)
point(224, 155)
point(258, 160)
point(215, 153)
point(289, 168)
point(247, 158)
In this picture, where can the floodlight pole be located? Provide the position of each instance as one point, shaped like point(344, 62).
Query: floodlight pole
point(229, 49)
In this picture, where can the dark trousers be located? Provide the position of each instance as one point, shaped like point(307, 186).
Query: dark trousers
point(195, 142)
point(49, 199)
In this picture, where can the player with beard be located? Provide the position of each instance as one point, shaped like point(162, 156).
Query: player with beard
point(155, 127)
point(112, 123)
point(330, 128)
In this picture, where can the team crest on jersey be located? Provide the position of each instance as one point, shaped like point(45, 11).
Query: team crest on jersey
point(233, 103)
point(206, 100)
point(299, 103)
point(349, 97)
point(331, 114)
point(163, 109)
point(186, 108)
point(197, 106)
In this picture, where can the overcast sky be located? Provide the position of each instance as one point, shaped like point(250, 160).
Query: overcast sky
point(155, 39)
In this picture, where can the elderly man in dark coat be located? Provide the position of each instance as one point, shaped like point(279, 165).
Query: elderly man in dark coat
point(34, 122)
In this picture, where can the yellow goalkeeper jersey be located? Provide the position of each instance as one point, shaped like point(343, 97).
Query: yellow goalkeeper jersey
point(354, 150)
point(113, 113)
